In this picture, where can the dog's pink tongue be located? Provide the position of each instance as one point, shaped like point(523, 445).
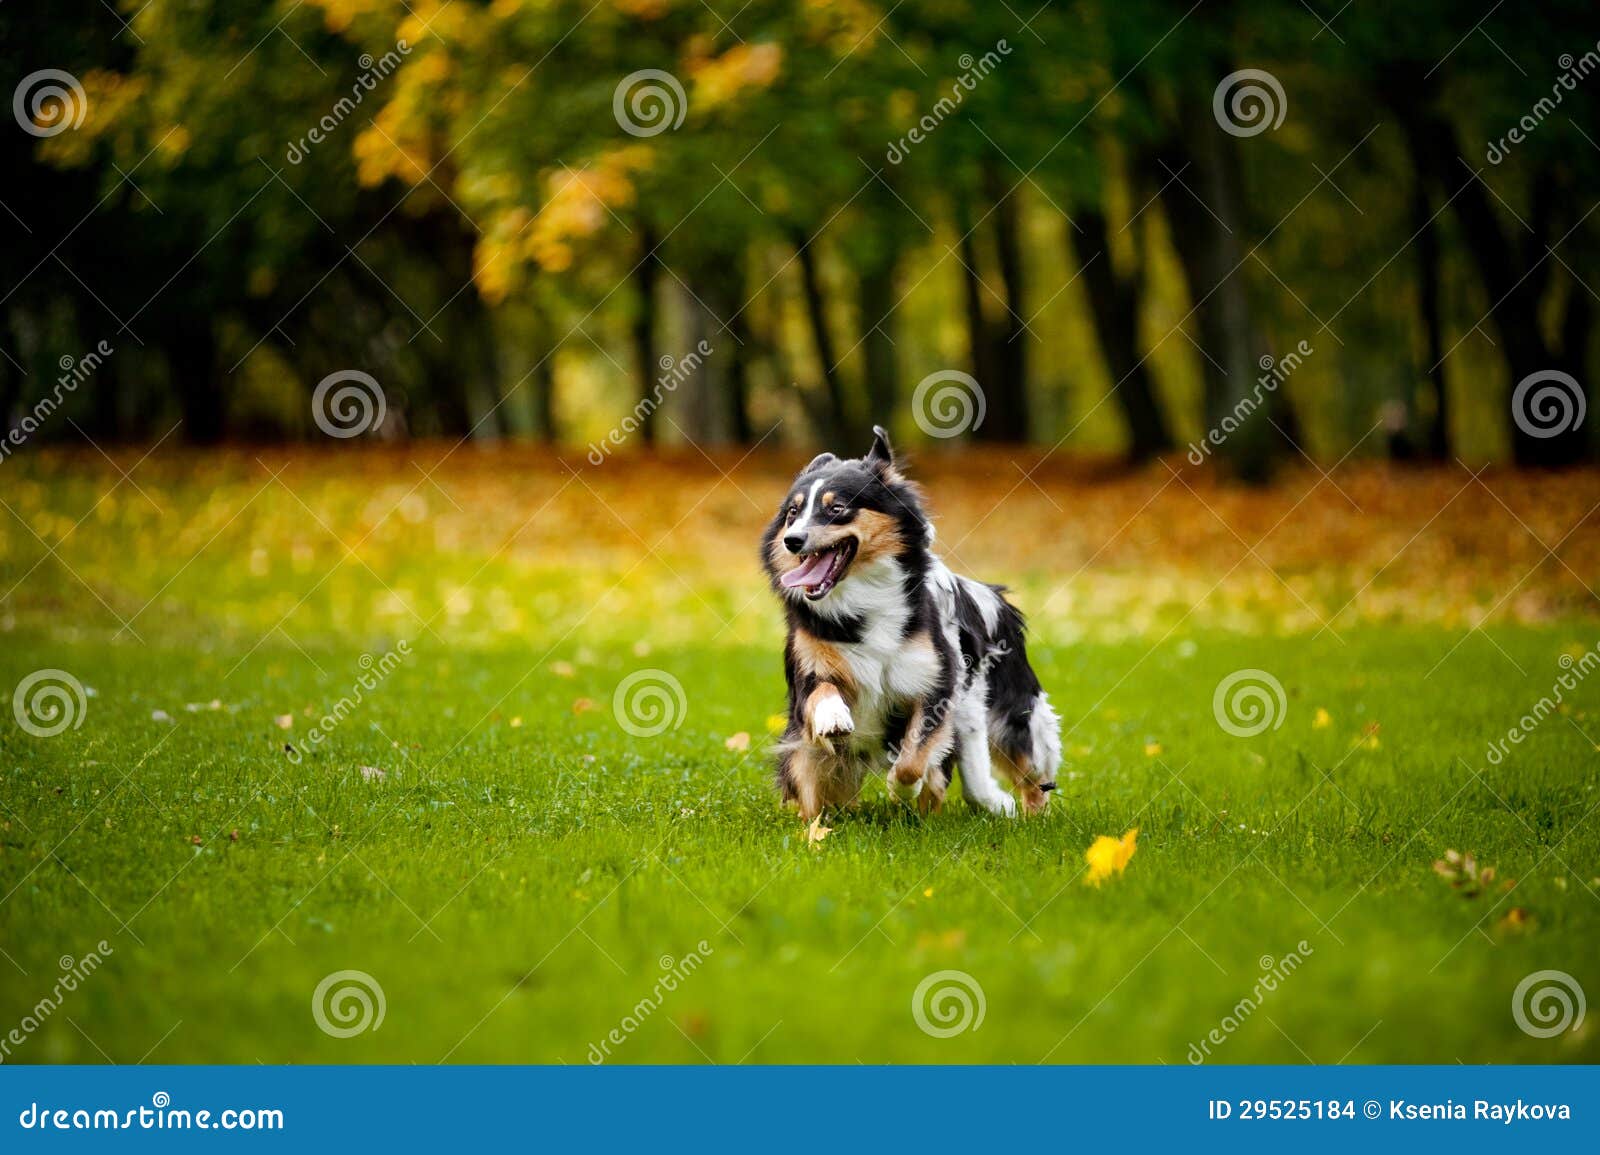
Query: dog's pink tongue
point(808, 574)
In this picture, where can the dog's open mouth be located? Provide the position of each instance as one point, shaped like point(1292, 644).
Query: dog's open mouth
point(819, 572)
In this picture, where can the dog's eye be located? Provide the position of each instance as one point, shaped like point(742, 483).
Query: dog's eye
point(839, 510)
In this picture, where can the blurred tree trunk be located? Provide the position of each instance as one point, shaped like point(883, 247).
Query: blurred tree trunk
point(11, 375)
point(979, 338)
point(1437, 440)
point(739, 352)
point(644, 329)
point(1209, 251)
point(817, 316)
point(701, 382)
point(1008, 396)
point(724, 281)
point(478, 367)
point(1514, 280)
point(542, 378)
point(190, 348)
point(1114, 308)
point(876, 304)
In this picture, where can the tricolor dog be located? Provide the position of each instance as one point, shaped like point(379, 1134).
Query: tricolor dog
point(891, 655)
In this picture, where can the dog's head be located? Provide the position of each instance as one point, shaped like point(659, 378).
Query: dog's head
point(839, 516)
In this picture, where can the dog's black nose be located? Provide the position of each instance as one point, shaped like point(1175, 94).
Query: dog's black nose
point(794, 542)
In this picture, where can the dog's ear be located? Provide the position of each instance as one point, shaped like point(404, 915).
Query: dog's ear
point(819, 461)
point(881, 455)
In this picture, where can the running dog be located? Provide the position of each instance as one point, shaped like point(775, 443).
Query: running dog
point(890, 652)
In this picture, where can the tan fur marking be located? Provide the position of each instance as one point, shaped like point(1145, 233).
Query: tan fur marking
point(912, 762)
point(1021, 774)
point(827, 499)
point(805, 775)
point(822, 660)
point(879, 535)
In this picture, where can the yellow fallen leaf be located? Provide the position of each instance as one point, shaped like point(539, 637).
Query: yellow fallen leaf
point(582, 705)
point(1323, 719)
point(562, 669)
point(776, 723)
point(1108, 856)
point(516, 723)
point(284, 721)
point(816, 832)
point(739, 741)
point(1153, 749)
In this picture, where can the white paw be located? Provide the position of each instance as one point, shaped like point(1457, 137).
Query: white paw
point(832, 718)
point(997, 803)
point(904, 791)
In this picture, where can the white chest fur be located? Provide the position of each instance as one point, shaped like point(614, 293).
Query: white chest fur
point(887, 670)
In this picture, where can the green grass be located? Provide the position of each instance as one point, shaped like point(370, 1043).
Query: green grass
point(514, 888)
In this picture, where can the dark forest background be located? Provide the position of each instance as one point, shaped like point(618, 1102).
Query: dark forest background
point(480, 234)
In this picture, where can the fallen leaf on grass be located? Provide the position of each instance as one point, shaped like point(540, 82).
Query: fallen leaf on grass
point(160, 716)
point(776, 723)
point(1108, 856)
point(1323, 719)
point(563, 669)
point(582, 705)
point(1463, 873)
point(284, 721)
point(373, 774)
point(1516, 921)
point(739, 741)
point(1152, 749)
point(816, 832)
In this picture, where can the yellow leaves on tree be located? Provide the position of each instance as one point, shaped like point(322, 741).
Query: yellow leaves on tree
point(396, 144)
point(718, 80)
point(106, 98)
point(1108, 856)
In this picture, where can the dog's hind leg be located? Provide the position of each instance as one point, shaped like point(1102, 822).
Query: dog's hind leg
point(978, 785)
point(1028, 752)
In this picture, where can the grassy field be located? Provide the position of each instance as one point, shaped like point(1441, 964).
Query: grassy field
point(481, 835)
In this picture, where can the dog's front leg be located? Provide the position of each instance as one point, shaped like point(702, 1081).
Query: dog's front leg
point(928, 738)
point(827, 715)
